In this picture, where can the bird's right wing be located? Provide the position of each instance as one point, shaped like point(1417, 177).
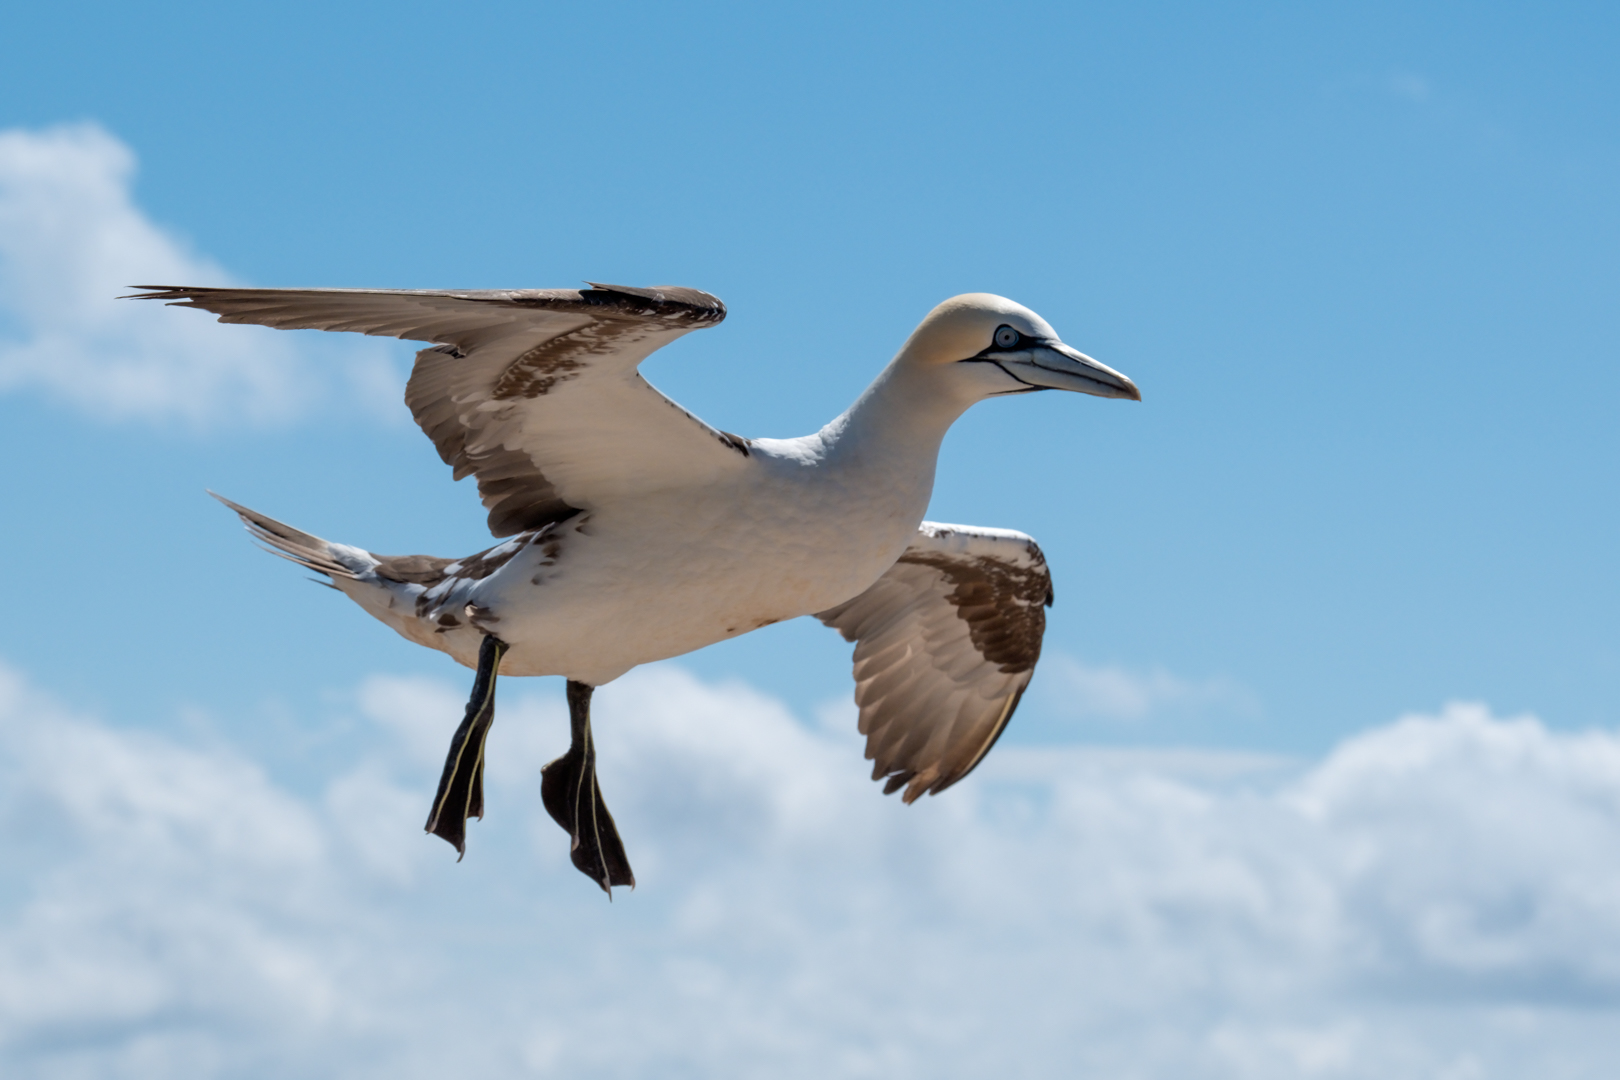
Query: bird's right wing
point(946, 642)
point(533, 391)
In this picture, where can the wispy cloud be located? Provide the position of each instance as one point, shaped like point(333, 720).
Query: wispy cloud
point(1438, 897)
point(72, 239)
point(1112, 692)
point(1404, 84)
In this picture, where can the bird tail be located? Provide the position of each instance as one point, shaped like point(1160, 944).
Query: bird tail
point(310, 552)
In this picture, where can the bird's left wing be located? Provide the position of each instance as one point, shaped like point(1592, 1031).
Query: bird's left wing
point(946, 642)
point(533, 391)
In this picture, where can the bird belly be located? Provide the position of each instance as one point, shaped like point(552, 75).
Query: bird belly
point(618, 590)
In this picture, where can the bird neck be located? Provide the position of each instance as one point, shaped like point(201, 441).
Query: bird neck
point(892, 434)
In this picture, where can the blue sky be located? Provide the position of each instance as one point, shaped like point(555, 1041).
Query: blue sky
point(1361, 262)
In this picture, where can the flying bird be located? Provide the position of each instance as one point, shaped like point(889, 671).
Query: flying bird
point(631, 531)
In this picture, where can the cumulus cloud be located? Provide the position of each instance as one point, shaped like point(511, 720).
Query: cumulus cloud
point(1438, 897)
point(72, 240)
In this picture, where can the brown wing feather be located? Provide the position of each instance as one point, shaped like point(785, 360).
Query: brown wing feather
point(946, 643)
point(496, 355)
point(465, 319)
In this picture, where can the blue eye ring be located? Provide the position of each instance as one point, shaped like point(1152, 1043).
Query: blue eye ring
point(1006, 337)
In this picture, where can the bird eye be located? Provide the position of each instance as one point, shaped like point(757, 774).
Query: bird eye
point(1006, 337)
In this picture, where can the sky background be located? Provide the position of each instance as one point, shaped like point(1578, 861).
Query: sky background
point(1320, 774)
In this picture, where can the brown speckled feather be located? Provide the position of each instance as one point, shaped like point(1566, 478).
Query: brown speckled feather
point(946, 643)
point(532, 391)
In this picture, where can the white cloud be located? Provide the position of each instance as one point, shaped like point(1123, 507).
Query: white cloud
point(1438, 897)
point(72, 240)
point(1111, 692)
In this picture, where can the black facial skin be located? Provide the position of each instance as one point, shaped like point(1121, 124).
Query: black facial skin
point(989, 354)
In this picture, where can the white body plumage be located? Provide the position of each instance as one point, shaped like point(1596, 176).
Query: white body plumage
point(636, 532)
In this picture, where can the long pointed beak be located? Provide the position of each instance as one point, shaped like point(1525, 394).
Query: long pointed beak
point(1053, 365)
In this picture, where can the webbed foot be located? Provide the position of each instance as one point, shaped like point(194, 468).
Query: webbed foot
point(461, 787)
point(573, 798)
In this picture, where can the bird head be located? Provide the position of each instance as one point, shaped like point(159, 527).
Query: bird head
point(988, 346)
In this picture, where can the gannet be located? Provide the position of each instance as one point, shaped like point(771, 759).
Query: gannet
point(631, 531)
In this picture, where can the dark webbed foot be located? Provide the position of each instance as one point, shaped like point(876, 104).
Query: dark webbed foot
point(461, 787)
point(574, 800)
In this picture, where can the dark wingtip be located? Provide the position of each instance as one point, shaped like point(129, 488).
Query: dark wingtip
point(241, 511)
point(176, 295)
point(694, 304)
point(164, 292)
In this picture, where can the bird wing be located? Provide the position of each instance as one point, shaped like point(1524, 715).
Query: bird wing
point(534, 391)
point(945, 643)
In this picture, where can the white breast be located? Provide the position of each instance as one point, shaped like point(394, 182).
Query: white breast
point(793, 535)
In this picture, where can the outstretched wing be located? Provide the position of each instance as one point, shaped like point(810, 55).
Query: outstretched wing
point(945, 643)
point(535, 392)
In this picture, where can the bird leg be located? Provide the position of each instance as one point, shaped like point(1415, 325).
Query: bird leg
point(461, 787)
point(568, 788)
